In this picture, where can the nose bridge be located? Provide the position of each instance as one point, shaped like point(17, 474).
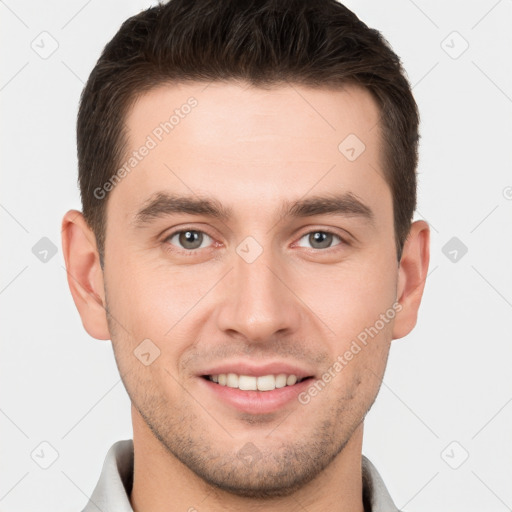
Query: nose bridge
point(258, 304)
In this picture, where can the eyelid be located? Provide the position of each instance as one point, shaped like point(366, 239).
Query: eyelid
point(344, 239)
point(176, 231)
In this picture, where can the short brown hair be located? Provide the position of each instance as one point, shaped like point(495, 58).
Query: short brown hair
point(262, 42)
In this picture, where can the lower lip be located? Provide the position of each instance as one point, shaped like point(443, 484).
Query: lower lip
point(257, 402)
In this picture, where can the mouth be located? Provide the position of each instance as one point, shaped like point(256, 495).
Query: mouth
point(255, 387)
point(256, 395)
point(263, 383)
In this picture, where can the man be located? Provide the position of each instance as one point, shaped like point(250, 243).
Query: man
point(247, 172)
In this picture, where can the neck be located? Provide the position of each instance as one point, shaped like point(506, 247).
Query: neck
point(162, 483)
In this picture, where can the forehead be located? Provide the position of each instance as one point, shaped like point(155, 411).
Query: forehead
point(247, 112)
point(234, 142)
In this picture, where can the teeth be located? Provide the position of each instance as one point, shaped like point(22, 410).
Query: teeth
point(291, 380)
point(281, 380)
point(232, 380)
point(251, 383)
point(247, 382)
point(266, 383)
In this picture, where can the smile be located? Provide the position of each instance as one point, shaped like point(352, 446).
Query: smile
point(252, 383)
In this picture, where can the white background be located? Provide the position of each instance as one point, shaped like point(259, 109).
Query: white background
point(450, 380)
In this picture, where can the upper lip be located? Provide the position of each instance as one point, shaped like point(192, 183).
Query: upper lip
point(257, 370)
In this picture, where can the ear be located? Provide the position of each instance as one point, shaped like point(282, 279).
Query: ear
point(84, 273)
point(411, 277)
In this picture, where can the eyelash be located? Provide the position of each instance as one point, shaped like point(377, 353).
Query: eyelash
point(342, 240)
point(192, 252)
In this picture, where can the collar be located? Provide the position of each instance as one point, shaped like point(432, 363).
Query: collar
point(112, 491)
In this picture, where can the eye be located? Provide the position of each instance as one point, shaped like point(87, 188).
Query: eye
point(189, 239)
point(319, 240)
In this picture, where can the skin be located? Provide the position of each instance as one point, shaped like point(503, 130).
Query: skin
point(253, 150)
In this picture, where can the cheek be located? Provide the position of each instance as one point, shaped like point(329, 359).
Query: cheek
point(353, 297)
point(150, 300)
point(155, 303)
point(356, 303)
point(147, 347)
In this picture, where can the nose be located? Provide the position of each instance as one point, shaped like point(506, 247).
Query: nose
point(259, 303)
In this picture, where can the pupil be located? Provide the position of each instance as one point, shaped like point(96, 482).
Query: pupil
point(191, 239)
point(320, 240)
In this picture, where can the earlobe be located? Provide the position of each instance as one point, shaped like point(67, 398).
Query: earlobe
point(412, 274)
point(84, 274)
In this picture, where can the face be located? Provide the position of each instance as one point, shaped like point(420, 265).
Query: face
point(245, 243)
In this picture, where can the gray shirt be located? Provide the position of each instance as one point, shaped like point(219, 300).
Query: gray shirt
point(113, 489)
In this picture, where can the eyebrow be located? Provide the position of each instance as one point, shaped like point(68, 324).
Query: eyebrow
point(163, 204)
point(346, 204)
